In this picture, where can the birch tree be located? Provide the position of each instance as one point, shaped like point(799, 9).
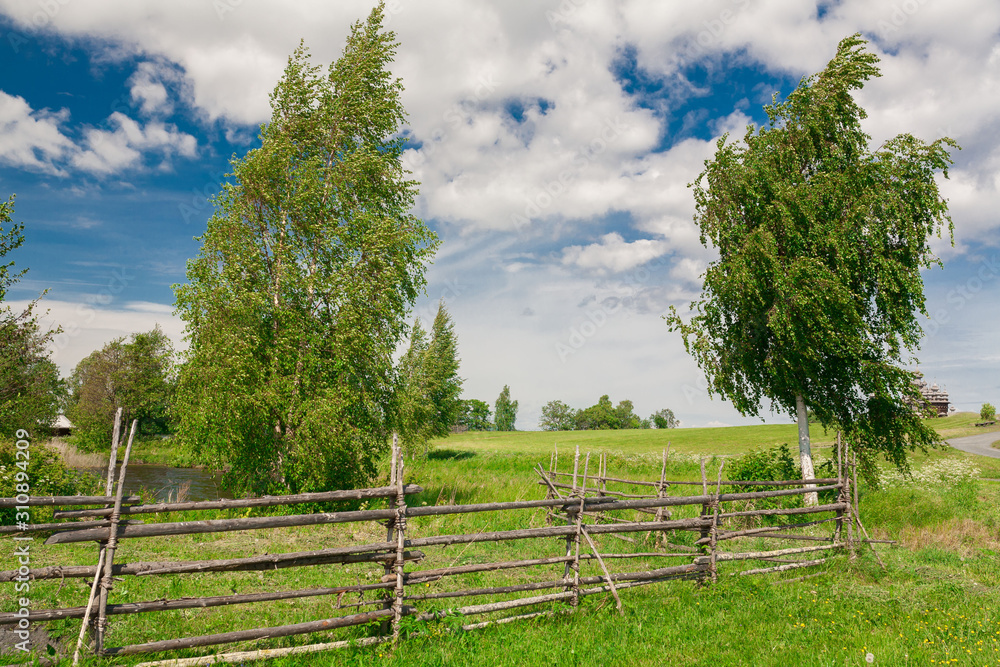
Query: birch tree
point(298, 297)
point(813, 301)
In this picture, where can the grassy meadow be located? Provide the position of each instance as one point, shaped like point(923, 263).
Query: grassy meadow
point(937, 602)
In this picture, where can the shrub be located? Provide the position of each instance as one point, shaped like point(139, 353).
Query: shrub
point(47, 475)
point(773, 464)
point(987, 412)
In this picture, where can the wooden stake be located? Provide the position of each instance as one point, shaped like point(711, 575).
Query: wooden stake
point(109, 485)
point(576, 538)
point(397, 606)
point(840, 475)
point(704, 538)
point(86, 614)
point(106, 582)
point(715, 525)
point(607, 575)
point(389, 525)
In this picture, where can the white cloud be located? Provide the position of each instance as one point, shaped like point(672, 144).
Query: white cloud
point(148, 87)
point(613, 254)
point(90, 327)
point(34, 140)
point(111, 151)
point(31, 139)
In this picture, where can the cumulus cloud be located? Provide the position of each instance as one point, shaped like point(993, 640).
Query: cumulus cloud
point(111, 151)
point(35, 140)
point(32, 139)
point(148, 87)
point(613, 254)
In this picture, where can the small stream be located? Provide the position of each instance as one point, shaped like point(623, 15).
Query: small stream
point(167, 482)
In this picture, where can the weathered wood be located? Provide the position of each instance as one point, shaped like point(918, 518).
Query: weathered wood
point(421, 576)
point(263, 654)
point(49, 501)
point(86, 610)
point(111, 546)
point(774, 531)
point(472, 610)
point(602, 504)
point(508, 619)
point(191, 603)
point(760, 555)
point(254, 563)
point(781, 568)
point(223, 525)
point(609, 578)
point(833, 507)
point(397, 605)
point(494, 590)
point(115, 441)
point(55, 527)
point(575, 564)
point(607, 575)
point(791, 536)
point(254, 523)
point(554, 531)
point(763, 482)
point(246, 635)
point(263, 501)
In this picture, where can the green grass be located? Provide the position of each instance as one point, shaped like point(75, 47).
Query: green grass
point(937, 601)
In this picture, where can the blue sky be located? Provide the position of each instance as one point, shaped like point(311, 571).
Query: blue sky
point(554, 142)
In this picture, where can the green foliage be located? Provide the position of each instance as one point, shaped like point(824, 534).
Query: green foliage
point(602, 416)
point(664, 418)
point(44, 473)
point(474, 415)
point(428, 403)
point(773, 464)
point(557, 416)
point(821, 242)
point(297, 300)
point(505, 411)
point(987, 412)
point(30, 388)
point(136, 375)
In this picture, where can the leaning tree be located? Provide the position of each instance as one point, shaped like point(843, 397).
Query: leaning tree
point(813, 300)
point(297, 301)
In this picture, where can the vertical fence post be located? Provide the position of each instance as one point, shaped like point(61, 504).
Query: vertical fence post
point(838, 532)
point(705, 532)
point(109, 553)
point(397, 604)
point(661, 492)
point(851, 506)
point(715, 525)
point(576, 538)
point(569, 538)
point(390, 526)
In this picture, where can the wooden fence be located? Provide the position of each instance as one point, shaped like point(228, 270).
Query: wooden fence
point(581, 509)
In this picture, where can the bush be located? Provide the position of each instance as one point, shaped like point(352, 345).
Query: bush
point(774, 464)
point(987, 412)
point(47, 475)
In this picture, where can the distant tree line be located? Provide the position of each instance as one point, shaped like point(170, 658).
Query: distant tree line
point(558, 416)
point(475, 415)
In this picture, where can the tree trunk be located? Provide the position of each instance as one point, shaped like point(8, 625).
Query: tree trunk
point(805, 452)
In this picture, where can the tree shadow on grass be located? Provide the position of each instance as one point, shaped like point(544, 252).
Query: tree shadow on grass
point(449, 455)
